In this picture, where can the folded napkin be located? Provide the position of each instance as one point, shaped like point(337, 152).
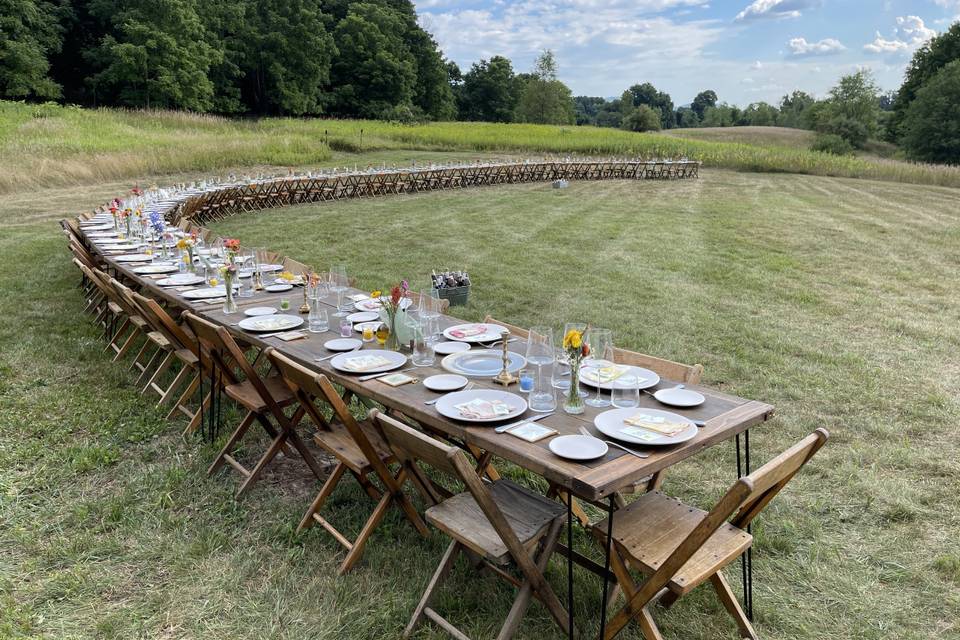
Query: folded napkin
point(272, 324)
point(479, 409)
point(291, 335)
point(369, 304)
point(475, 330)
point(603, 375)
point(657, 424)
point(365, 363)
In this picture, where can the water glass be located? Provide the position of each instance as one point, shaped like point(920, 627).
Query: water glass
point(601, 355)
point(626, 392)
point(284, 304)
point(346, 328)
point(318, 321)
point(543, 398)
point(423, 353)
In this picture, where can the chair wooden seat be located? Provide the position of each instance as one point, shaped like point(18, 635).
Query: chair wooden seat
point(677, 547)
point(338, 442)
point(158, 339)
point(651, 528)
point(529, 515)
point(187, 356)
point(247, 395)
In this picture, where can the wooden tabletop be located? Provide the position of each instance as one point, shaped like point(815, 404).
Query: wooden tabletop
point(724, 415)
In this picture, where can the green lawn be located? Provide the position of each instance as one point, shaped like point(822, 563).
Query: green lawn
point(833, 299)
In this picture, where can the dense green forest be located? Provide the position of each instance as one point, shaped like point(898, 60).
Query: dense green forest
point(371, 59)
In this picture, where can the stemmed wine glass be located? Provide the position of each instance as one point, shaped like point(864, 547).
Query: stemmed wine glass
point(338, 285)
point(601, 355)
point(540, 352)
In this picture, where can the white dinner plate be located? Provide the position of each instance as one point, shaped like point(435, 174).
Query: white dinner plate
point(397, 360)
point(99, 236)
point(492, 332)
point(279, 322)
point(120, 246)
point(255, 312)
point(578, 447)
point(369, 304)
point(445, 382)
point(342, 344)
point(100, 226)
point(360, 326)
point(679, 397)
point(278, 288)
point(446, 348)
point(133, 257)
point(270, 268)
point(482, 362)
point(182, 280)
point(645, 377)
point(447, 405)
point(206, 292)
point(156, 268)
point(610, 423)
point(363, 316)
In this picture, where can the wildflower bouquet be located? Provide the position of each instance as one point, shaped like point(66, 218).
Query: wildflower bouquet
point(576, 349)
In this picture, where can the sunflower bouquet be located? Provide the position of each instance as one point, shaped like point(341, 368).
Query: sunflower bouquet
point(576, 349)
point(186, 245)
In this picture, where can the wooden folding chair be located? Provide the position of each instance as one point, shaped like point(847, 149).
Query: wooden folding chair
point(678, 547)
point(183, 349)
point(500, 522)
point(261, 397)
point(358, 449)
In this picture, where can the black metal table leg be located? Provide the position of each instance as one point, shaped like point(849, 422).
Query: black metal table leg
point(746, 560)
point(570, 563)
point(606, 568)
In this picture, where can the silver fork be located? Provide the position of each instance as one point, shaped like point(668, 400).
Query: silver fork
point(466, 388)
point(611, 443)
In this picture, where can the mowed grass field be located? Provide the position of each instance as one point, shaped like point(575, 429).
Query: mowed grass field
point(833, 299)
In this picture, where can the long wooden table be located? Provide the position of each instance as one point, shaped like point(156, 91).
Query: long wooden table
point(724, 416)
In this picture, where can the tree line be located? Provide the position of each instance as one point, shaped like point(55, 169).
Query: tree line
point(370, 59)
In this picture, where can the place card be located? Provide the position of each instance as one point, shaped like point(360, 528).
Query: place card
point(532, 432)
point(397, 379)
point(290, 335)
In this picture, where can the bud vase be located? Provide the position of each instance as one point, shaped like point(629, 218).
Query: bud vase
point(229, 304)
point(573, 402)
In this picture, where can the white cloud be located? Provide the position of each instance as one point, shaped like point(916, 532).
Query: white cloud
point(909, 34)
point(757, 65)
point(775, 9)
point(948, 4)
point(825, 47)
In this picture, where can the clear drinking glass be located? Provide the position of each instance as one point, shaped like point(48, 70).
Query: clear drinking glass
point(540, 353)
point(601, 355)
point(338, 285)
point(423, 353)
point(626, 392)
point(318, 321)
point(346, 328)
point(527, 379)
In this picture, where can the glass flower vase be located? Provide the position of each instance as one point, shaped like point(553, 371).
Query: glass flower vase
point(572, 401)
point(229, 303)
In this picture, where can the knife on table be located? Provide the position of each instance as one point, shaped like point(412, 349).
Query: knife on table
point(507, 427)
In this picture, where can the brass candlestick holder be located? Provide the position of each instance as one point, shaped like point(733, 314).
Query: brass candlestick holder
point(305, 307)
point(505, 377)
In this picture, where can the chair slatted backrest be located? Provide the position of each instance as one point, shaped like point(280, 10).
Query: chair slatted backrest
point(666, 368)
point(411, 446)
point(309, 386)
point(771, 478)
point(158, 317)
point(749, 495)
point(219, 352)
point(295, 267)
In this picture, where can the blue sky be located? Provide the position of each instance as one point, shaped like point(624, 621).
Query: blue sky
point(745, 50)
